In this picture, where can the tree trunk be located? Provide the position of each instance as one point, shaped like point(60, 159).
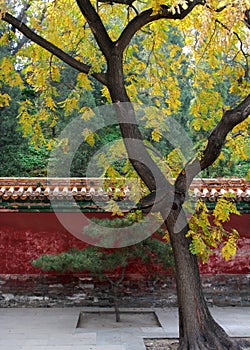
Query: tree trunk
point(117, 311)
point(115, 286)
point(197, 328)
point(137, 153)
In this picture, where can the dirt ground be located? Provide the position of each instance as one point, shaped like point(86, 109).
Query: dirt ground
point(161, 344)
point(167, 344)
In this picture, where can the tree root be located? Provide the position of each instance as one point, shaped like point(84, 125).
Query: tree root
point(216, 344)
point(245, 344)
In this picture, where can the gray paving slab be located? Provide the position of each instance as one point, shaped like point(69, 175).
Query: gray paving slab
point(55, 329)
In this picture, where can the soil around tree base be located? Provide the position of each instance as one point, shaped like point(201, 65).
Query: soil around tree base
point(170, 344)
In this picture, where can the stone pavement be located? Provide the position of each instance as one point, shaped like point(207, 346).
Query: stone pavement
point(55, 329)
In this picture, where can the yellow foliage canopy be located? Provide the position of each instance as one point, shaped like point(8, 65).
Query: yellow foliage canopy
point(205, 50)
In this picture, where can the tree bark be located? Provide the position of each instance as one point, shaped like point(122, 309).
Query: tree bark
point(116, 306)
point(115, 287)
point(197, 328)
point(133, 140)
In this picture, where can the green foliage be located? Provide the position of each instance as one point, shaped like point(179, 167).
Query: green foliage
point(88, 259)
point(102, 262)
point(110, 264)
point(25, 152)
point(17, 156)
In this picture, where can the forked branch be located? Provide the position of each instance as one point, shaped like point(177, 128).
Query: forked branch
point(230, 119)
point(149, 16)
point(215, 142)
point(95, 23)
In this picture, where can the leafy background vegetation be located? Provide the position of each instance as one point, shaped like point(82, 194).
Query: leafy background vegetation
point(25, 145)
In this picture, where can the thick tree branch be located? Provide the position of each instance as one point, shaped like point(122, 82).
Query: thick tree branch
point(247, 18)
point(147, 17)
point(96, 26)
point(216, 140)
point(123, 2)
point(81, 67)
point(230, 119)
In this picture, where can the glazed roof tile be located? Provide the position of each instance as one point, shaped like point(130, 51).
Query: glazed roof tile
point(28, 189)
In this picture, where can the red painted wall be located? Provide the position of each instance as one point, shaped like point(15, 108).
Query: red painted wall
point(26, 236)
point(241, 261)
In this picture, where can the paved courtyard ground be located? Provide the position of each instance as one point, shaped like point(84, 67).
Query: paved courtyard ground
point(56, 328)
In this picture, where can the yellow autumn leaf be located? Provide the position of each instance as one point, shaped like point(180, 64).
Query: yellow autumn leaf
point(229, 248)
point(114, 208)
point(50, 144)
point(89, 136)
point(156, 135)
point(156, 6)
point(4, 100)
point(87, 113)
point(166, 237)
point(50, 103)
point(4, 39)
point(55, 73)
point(84, 82)
point(223, 209)
point(3, 8)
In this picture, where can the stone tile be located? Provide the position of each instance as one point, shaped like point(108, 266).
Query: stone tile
point(152, 330)
point(11, 340)
point(72, 339)
point(109, 337)
point(36, 342)
point(32, 347)
point(132, 339)
point(111, 347)
point(54, 329)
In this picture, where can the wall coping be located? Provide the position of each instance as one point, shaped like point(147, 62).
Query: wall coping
point(37, 189)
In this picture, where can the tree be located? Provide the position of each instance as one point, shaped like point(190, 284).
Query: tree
point(18, 157)
point(98, 43)
point(111, 264)
point(20, 154)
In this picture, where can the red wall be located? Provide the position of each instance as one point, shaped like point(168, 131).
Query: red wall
point(26, 236)
point(240, 262)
